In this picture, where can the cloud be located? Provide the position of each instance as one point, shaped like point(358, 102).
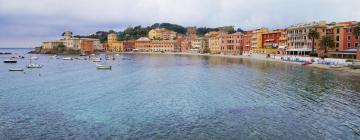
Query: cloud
point(43, 19)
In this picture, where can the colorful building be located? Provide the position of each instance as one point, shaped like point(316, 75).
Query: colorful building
point(256, 39)
point(87, 46)
point(143, 44)
point(162, 46)
point(346, 44)
point(214, 42)
point(129, 46)
point(199, 45)
point(246, 42)
point(298, 41)
point(161, 34)
point(73, 43)
point(231, 44)
point(113, 44)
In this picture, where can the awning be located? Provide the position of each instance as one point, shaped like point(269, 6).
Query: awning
point(282, 47)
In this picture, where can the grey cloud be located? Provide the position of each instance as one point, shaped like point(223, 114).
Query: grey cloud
point(38, 20)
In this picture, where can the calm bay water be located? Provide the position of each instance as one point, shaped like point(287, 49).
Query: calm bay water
point(177, 97)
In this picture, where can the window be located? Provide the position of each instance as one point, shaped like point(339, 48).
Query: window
point(337, 38)
point(337, 30)
point(349, 38)
point(349, 45)
point(337, 45)
point(356, 45)
point(350, 30)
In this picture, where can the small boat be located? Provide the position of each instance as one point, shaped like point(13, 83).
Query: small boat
point(34, 58)
point(10, 61)
point(18, 57)
point(126, 58)
point(67, 58)
point(96, 59)
point(307, 63)
point(16, 69)
point(103, 67)
point(34, 66)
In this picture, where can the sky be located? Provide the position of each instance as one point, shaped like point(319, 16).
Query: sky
point(27, 23)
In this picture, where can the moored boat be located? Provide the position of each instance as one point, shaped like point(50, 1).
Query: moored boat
point(67, 58)
point(103, 67)
point(96, 59)
point(34, 66)
point(307, 63)
point(16, 69)
point(10, 61)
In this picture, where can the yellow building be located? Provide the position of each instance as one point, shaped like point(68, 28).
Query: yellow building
point(256, 39)
point(163, 45)
point(161, 34)
point(113, 44)
point(214, 42)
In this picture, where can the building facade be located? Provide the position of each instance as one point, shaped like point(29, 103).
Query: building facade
point(231, 44)
point(256, 39)
point(161, 34)
point(199, 45)
point(143, 44)
point(215, 42)
point(299, 42)
point(346, 44)
point(246, 42)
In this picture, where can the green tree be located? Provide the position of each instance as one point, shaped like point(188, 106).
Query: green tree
point(327, 42)
point(313, 34)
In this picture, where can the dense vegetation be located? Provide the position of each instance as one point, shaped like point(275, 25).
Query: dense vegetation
point(133, 33)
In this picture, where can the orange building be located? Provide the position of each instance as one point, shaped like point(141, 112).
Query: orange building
point(143, 44)
point(87, 46)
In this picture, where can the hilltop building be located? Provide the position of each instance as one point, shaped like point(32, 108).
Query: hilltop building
point(161, 34)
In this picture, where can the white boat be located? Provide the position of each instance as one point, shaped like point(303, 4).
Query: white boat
point(34, 66)
point(96, 59)
point(67, 58)
point(103, 67)
point(16, 69)
point(31, 65)
point(34, 58)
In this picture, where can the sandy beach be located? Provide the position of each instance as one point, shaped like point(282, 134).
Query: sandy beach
point(258, 57)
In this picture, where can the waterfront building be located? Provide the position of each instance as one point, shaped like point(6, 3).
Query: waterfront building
point(185, 45)
point(162, 46)
point(215, 42)
point(246, 42)
point(271, 42)
point(143, 44)
point(73, 43)
point(199, 45)
point(346, 44)
point(87, 46)
point(129, 45)
point(48, 45)
point(231, 44)
point(113, 44)
point(161, 34)
point(298, 40)
point(256, 39)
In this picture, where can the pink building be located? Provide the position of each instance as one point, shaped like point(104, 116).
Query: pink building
point(231, 44)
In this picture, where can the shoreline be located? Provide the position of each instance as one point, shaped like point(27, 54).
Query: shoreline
point(320, 66)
